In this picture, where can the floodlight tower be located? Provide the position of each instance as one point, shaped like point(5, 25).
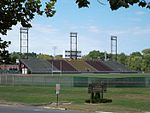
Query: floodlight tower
point(73, 45)
point(24, 42)
point(114, 47)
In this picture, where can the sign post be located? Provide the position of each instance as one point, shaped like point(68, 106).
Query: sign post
point(57, 92)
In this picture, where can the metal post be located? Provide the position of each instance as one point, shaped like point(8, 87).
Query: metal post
point(6, 79)
point(102, 91)
point(27, 43)
point(57, 93)
point(57, 100)
point(52, 67)
point(13, 79)
point(70, 45)
point(0, 78)
point(102, 85)
point(76, 48)
point(61, 67)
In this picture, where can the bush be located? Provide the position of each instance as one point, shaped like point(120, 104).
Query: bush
point(99, 101)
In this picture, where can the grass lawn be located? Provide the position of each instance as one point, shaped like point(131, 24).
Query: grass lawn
point(124, 99)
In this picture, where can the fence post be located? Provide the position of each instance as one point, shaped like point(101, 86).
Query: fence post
point(13, 80)
point(6, 78)
point(0, 79)
point(32, 79)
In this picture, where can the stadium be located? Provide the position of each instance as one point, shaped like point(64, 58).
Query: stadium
point(79, 70)
point(37, 81)
point(36, 78)
point(106, 71)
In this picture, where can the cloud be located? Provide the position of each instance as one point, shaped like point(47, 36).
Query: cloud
point(42, 38)
point(140, 13)
point(93, 29)
point(130, 31)
point(40, 28)
point(13, 36)
point(134, 20)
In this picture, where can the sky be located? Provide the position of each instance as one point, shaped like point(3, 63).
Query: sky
point(95, 26)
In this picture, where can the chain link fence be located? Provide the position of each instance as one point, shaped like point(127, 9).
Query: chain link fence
point(71, 81)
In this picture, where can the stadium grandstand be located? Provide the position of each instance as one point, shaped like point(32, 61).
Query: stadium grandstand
point(39, 66)
point(82, 66)
point(63, 65)
point(116, 66)
point(99, 65)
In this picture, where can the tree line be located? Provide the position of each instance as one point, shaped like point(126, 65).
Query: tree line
point(138, 61)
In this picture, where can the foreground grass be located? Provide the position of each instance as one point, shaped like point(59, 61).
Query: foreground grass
point(124, 99)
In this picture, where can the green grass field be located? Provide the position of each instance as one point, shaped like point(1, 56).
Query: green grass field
point(124, 99)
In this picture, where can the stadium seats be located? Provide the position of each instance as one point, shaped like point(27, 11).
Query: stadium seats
point(82, 66)
point(38, 65)
point(99, 65)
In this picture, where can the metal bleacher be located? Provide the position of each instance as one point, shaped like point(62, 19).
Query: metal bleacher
point(116, 66)
point(99, 65)
point(63, 65)
point(38, 65)
point(82, 66)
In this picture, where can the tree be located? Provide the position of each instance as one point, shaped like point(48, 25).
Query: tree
point(135, 61)
point(58, 57)
point(146, 51)
point(18, 55)
point(136, 54)
point(116, 4)
point(95, 55)
point(14, 56)
point(4, 54)
point(44, 56)
point(146, 60)
point(146, 63)
point(122, 58)
point(23, 11)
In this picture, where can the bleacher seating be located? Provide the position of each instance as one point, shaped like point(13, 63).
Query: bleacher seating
point(99, 65)
point(38, 65)
point(62, 65)
point(82, 66)
point(72, 66)
point(116, 66)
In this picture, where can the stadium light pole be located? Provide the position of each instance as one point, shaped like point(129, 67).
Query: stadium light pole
point(114, 47)
point(54, 50)
point(52, 67)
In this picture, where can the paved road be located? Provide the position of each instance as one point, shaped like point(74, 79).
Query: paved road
point(29, 109)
